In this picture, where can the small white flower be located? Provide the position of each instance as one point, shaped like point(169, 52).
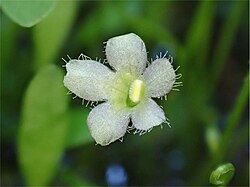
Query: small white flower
point(126, 90)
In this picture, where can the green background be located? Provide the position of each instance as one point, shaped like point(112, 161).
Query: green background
point(44, 136)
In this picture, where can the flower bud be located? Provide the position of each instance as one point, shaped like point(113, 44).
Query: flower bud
point(222, 175)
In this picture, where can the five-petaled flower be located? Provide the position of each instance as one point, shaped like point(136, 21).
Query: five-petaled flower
point(126, 89)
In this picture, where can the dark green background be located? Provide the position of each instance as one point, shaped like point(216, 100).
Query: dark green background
point(208, 39)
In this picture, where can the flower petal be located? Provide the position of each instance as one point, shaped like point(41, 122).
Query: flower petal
point(88, 79)
point(148, 115)
point(127, 52)
point(106, 124)
point(159, 77)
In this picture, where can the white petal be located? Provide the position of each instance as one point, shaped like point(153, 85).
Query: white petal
point(88, 79)
point(159, 77)
point(147, 115)
point(127, 52)
point(106, 124)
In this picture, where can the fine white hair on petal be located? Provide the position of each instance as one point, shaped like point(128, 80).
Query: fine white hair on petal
point(107, 125)
point(88, 79)
point(127, 52)
point(147, 115)
point(159, 77)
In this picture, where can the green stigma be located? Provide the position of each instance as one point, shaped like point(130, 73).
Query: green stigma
point(136, 93)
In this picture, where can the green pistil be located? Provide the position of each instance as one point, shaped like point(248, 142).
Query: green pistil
point(136, 93)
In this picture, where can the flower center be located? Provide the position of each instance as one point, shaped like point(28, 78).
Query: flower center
point(136, 93)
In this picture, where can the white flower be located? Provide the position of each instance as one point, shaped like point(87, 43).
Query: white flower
point(126, 90)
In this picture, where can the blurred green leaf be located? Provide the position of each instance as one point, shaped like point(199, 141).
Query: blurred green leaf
point(224, 44)
point(197, 46)
point(27, 13)
point(50, 34)
point(71, 179)
point(234, 116)
point(44, 126)
point(200, 32)
point(97, 26)
point(8, 33)
point(78, 133)
point(159, 32)
point(241, 140)
point(212, 136)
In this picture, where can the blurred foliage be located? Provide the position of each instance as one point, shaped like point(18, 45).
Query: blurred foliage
point(46, 46)
point(44, 126)
point(45, 141)
point(27, 13)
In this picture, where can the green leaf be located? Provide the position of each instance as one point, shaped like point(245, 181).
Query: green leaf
point(44, 126)
point(27, 13)
point(198, 40)
point(9, 36)
point(50, 34)
point(78, 133)
point(234, 117)
point(200, 31)
point(224, 44)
